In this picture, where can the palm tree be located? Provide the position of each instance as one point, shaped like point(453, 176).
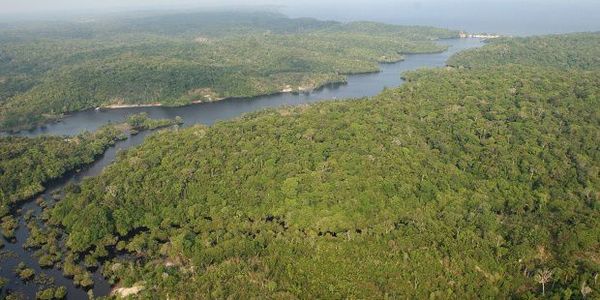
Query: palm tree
point(542, 277)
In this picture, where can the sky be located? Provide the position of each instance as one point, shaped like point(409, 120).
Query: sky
point(515, 17)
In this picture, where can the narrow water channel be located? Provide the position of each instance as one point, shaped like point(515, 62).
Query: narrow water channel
point(14, 252)
point(206, 113)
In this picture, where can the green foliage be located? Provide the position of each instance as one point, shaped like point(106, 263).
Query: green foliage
point(8, 225)
point(567, 51)
point(49, 69)
point(141, 121)
point(45, 294)
point(52, 293)
point(24, 272)
point(45, 242)
point(26, 164)
point(463, 183)
point(60, 292)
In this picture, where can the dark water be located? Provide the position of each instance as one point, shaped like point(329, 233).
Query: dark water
point(207, 113)
point(9, 263)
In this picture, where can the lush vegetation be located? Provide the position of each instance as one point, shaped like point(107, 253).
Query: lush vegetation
point(579, 51)
point(48, 69)
point(142, 121)
point(477, 182)
point(27, 164)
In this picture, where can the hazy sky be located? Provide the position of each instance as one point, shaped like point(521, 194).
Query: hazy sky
point(28, 6)
point(502, 16)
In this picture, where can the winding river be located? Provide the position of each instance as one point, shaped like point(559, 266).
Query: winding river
point(205, 113)
point(362, 85)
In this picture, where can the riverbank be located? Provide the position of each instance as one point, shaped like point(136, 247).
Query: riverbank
point(14, 253)
point(357, 86)
point(307, 87)
point(26, 210)
point(208, 112)
point(287, 89)
point(483, 36)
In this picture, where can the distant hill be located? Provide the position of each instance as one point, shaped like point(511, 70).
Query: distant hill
point(579, 50)
point(48, 69)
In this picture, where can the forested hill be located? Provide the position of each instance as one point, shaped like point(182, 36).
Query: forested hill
point(210, 24)
point(464, 183)
point(578, 50)
point(47, 69)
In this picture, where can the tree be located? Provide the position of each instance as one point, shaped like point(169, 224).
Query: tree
point(542, 277)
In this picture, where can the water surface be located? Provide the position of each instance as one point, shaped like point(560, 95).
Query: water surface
point(207, 113)
point(18, 254)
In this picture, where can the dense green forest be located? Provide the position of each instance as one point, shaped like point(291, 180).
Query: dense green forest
point(580, 51)
point(28, 164)
point(47, 69)
point(477, 182)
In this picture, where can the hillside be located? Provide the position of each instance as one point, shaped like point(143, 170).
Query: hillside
point(48, 69)
point(477, 182)
point(567, 51)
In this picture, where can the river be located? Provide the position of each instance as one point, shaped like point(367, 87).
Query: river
point(206, 113)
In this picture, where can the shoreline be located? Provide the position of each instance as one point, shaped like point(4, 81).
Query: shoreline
point(287, 90)
point(299, 90)
point(117, 106)
point(105, 288)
